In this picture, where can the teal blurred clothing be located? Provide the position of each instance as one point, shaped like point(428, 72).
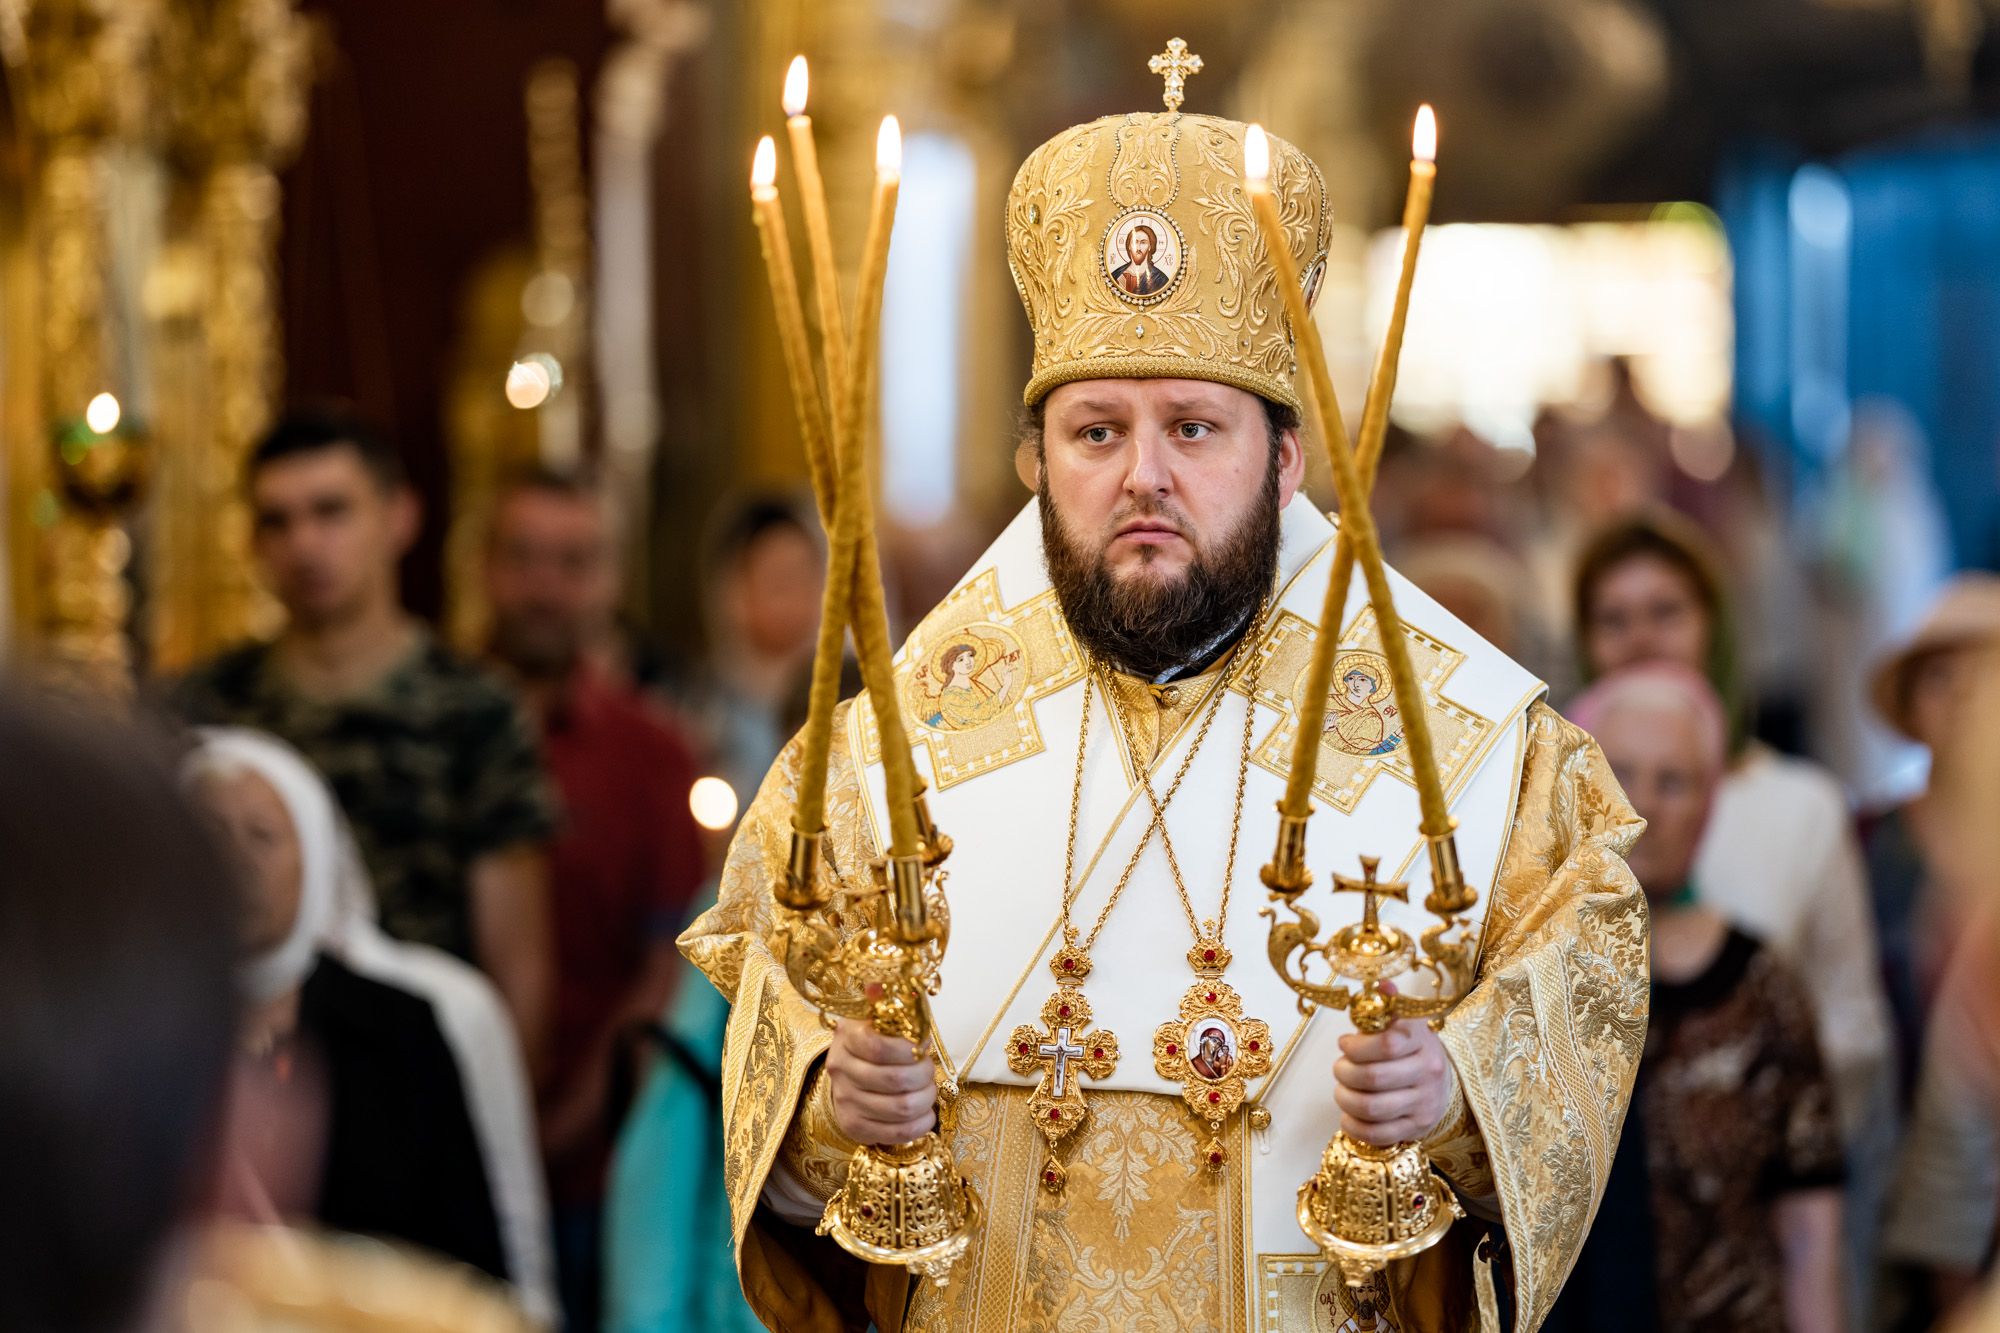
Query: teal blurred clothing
point(670, 1263)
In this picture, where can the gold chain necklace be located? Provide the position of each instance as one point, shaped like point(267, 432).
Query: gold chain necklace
point(1207, 953)
point(1212, 1048)
point(1065, 1046)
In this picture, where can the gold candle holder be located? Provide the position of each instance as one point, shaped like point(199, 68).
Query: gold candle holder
point(799, 890)
point(1287, 874)
point(1368, 1206)
point(905, 1203)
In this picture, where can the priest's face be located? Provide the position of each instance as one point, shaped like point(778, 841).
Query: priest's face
point(1658, 755)
point(1160, 502)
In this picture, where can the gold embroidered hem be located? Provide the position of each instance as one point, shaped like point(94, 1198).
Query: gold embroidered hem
point(1545, 1048)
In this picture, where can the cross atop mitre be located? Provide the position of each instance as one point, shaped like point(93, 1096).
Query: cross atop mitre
point(1174, 65)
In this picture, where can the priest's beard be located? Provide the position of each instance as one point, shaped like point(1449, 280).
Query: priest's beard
point(1149, 627)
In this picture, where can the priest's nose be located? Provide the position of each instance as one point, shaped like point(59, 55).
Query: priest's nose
point(1148, 473)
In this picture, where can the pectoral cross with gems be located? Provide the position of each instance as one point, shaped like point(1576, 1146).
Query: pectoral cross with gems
point(1175, 64)
point(1057, 1106)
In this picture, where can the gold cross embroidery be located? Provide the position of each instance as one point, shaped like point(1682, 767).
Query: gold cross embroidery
point(1175, 64)
point(972, 675)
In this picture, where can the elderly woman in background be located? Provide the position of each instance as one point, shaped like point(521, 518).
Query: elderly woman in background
point(1779, 858)
point(1724, 1204)
point(391, 1070)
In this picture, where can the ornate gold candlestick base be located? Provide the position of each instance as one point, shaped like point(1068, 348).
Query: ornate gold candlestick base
point(1368, 1206)
point(905, 1205)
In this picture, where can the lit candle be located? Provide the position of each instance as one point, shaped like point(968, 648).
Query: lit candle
point(1357, 522)
point(792, 336)
point(871, 624)
point(1416, 214)
point(1382, 385)
point(819, 231)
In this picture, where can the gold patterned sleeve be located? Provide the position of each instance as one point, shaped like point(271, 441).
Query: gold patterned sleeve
point(1547, 1043)
point(773, 1043)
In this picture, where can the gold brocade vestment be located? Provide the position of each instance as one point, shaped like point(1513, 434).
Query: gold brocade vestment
point(1545, 1048)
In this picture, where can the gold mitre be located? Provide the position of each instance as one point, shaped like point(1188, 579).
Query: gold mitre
point(1136, 254)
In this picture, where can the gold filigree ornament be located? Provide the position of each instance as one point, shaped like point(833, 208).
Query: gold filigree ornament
point(1212, 1050)
point(1368, 1206)
point(905, 1204)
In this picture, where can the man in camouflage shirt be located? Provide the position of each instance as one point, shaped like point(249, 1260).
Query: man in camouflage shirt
point(431, 758)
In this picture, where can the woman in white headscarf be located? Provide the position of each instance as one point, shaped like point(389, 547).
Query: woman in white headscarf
point(428, 1136)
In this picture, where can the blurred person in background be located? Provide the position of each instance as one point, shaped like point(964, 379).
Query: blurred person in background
point(430, 757)
point(119, 1014)
point(1919, 689)
point(405, 1093)
point(762, 574)
point(1930, 900)
point(669, 1243)
point(629, 859)
point(1964, 1031)
point(1881, 548)
point(1724, 1207)
point(1479, 581)
point(1779, 856)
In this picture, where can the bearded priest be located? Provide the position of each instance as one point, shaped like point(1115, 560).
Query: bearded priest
point(1104, 710)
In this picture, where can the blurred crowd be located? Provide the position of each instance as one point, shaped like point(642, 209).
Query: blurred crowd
point(439, 1003)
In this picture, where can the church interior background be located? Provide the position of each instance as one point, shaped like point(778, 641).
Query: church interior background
point(517, 229)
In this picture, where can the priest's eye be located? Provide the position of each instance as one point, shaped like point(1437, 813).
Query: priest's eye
point(1098, 434)
point(1194, 430)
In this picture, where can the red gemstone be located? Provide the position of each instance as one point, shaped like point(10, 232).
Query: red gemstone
point(1055, 1113)
point(1048, 1177)
point(1211, 997)
point(1214, 1097)
point(1097, 1054)
point(1416, 1203)
point(1208, 955)
point(1173, 1049)
point(1024, 1048)
point(1255, 1045)
point(1063, 1010)
point(1069, 964)
point(867, 1210)
point(1215, 1159)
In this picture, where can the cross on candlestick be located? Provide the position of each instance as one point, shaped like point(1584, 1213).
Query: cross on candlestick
point(1372, 891)
point(1175, 64)
point(1059, 1051)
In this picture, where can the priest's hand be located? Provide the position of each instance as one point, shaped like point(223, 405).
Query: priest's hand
point(1394, 1086)
point(884, 1091)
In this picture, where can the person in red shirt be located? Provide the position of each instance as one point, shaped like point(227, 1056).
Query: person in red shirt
point(629, 856)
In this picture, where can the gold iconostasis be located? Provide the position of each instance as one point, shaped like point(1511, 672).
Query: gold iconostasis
point(522, 235)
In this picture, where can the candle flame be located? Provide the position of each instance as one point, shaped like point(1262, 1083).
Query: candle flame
point(889, 149)
point(796, 83)
point(1424, 143)
point(1256, 157)
point(764, 166)
point(103, 414)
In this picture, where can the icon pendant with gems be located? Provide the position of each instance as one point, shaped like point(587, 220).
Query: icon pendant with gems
point(1212, 1050)
point(1065, 1049)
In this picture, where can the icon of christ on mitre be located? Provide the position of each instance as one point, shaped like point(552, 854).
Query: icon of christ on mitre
point(1106, 796)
